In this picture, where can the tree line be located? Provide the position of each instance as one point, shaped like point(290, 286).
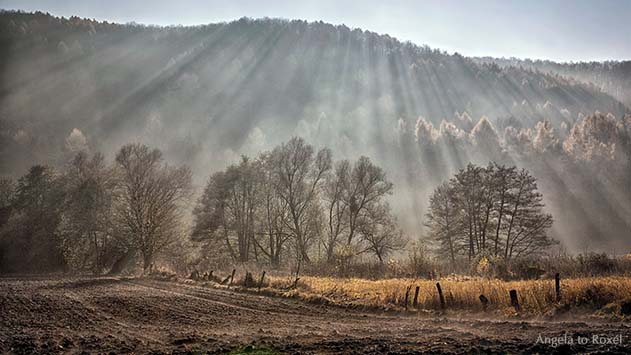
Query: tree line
point(93, 216)
point(290, 205)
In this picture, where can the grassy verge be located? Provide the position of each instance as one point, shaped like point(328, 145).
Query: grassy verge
point(603, 296)
point(536, 297)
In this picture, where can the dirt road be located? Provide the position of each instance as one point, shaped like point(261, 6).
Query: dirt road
point(103, 315)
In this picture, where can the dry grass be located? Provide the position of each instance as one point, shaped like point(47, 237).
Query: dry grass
point(536, 297)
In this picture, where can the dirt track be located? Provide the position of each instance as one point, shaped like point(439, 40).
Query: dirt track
point(102, 315)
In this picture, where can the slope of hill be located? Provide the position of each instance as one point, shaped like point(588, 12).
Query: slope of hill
point(206, 94)
point(612, 77)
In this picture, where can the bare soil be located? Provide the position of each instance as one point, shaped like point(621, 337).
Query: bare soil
point(54, 315)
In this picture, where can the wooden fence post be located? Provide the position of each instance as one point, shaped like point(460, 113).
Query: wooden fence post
point(407, 295)
point(232, 277)
point(440, 295)
point(513, 300)
point(557, 286)
point(415, 302)
point(484, 301)
point(261, 282)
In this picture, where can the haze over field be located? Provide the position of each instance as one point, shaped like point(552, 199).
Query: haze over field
point(318, 176)
point(206, 94)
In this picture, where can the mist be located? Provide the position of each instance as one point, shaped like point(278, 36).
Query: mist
point(205, 95)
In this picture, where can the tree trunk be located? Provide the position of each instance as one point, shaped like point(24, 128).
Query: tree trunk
point(512, 221)
point(499, 224)
point(147, 262)
point(471, 251)
point(451, 252)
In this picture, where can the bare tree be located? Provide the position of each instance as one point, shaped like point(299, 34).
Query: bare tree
point(527, 224)
point(274, 217)
point(210, 222)
point(298, 175)
point(467, 200)
point(487, 205)
point(495, 203)
point(380, 233)
point(241, 207)
point(241, 204)
point(503, 181)
point(335, 208)
point(365, 187)
point(150, 205)
point(444, 221)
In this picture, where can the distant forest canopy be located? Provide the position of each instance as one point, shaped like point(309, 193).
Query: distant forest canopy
point(204, 95)
point(612, 77)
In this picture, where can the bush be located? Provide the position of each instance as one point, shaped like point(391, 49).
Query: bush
point(596, 264)
point(526, 269)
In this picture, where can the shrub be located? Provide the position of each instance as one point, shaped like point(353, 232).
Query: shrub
point(596, 264)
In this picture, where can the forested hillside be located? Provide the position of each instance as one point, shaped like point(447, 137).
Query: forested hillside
point(614, 78)
point(206, 94)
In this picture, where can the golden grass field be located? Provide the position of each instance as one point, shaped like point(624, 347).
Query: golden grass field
point(536, 297)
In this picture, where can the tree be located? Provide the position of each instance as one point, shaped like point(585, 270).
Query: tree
point(275, 217)
point(487, 204)
point(86, 227)
point(30, 235)
point(365, 187)
point(298, 176)
point(75, 143)
point(7, 192)
point(445, 222)
point(527, 224)
point(597, 138)
point(240, 205)
point(495, 203)
point(150, 206)
point(335, 208)
point(210, 223)
point(503, 182)
point(468, 194)
point(485, 141)
point(380, 233)
point(237, 205)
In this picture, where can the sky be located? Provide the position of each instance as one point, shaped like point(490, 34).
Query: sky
point(559, 30)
